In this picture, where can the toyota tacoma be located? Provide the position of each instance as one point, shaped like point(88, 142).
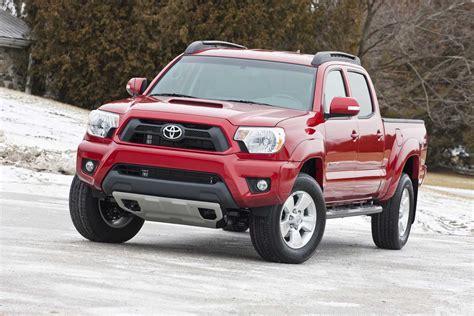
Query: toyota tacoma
point(236, 138)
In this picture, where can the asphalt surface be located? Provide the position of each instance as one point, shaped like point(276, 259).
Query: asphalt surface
point(47, 267)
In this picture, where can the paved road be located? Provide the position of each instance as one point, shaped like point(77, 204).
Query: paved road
point(46, 267)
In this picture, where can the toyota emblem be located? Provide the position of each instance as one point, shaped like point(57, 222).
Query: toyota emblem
point(172, 132)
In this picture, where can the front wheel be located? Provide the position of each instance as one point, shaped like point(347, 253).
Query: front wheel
point(100, 219)
point(391, 228)
point(290, 233)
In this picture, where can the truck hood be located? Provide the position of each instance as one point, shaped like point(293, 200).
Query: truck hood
point(235, 112)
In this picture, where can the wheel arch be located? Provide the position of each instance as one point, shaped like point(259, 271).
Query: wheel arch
point(412, 169)
point(309, 154)
point(313, 167)
point(410, 165)
point(409, 153)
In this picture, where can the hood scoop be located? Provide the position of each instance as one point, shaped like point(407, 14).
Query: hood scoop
point(194, 102)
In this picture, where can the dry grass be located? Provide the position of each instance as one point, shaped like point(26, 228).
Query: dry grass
point(449, 179)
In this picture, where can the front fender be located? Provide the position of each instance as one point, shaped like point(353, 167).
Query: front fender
point(308, 149)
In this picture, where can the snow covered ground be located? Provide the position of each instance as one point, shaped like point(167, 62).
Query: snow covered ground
point(46, 267)
point(38, 133)
point(42, 135)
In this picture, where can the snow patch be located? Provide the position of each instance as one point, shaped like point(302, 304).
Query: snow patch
point(38, 159)
point(20, 180)
point(446, 211)
point(39, 133)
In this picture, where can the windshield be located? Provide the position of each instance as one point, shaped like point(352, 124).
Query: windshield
point(240, 80)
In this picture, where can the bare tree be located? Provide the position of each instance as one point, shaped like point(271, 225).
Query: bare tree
point(420, 54)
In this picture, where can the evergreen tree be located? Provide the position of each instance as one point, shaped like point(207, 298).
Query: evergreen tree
point(85, 51)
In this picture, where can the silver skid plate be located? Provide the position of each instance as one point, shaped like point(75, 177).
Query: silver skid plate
point(169, 210)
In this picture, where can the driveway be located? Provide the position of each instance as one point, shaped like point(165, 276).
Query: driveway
point(47, 267)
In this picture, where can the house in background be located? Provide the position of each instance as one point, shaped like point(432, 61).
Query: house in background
point(14, 56)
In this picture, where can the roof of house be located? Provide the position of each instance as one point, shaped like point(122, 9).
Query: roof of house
point(13, 31)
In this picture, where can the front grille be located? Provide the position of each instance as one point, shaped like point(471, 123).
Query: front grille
point(168, 174)
point(196, 136)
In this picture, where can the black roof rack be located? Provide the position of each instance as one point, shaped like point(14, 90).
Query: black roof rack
point(323, 57)
point(201, 45)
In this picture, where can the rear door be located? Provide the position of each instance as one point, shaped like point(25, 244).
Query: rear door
point(340, 140)
point(368, 169)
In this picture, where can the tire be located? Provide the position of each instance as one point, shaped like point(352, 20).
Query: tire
point(266, 232)
point(88, 220)
point(386, 230)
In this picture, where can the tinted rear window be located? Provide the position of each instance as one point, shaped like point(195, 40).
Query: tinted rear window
point(360, 91)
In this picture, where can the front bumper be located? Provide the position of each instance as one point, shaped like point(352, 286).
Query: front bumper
point(215, 192)
point(234, 192)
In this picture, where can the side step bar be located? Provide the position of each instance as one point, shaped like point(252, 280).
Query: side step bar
point(346, 211)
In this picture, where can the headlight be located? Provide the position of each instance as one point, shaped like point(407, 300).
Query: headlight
point(261, 140)
point(101, 122)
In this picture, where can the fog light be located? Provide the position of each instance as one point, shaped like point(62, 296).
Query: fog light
point(262, 185)
point(259, 185)
point(89, 166)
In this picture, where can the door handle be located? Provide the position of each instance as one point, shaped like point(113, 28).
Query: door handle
point(379, 135)
point(354, 135)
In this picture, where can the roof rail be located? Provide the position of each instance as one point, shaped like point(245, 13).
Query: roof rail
point(323, 57)
point(201, 45)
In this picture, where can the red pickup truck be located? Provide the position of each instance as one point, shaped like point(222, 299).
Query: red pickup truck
point(236, 138)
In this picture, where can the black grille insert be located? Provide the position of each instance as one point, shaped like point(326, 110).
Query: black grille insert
point(196, 136)
point(168, 174)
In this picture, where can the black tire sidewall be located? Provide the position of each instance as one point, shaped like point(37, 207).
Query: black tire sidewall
point(99, 225)
point(405, 183)
point(307, 184)
point(88, 221)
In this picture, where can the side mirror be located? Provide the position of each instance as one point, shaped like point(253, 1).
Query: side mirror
point(343, 106)
point(136, 86)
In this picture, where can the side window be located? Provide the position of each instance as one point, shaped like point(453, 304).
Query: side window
point(360, 91)
point(333, 87)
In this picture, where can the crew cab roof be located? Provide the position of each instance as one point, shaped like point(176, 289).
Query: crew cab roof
point(231, 50)
point(259, 54)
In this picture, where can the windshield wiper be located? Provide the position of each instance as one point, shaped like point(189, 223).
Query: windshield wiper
point(172, 95)
point(249, 102)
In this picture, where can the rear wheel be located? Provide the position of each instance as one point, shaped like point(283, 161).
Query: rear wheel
point(291, 232)
point(391, 228)
point(100, 219)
